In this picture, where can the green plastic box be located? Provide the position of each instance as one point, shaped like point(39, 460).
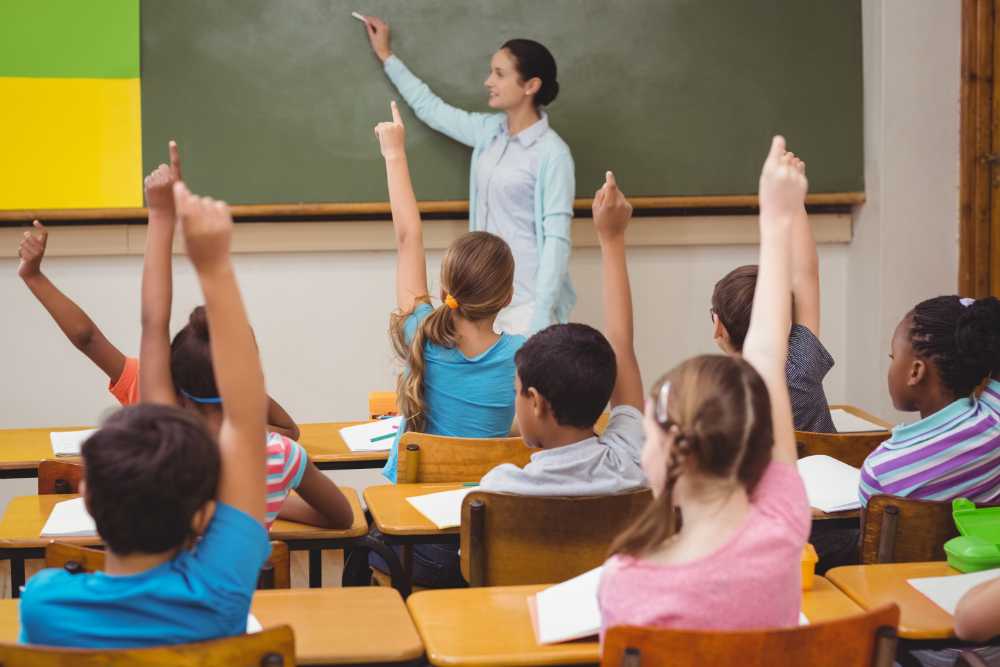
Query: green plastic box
point(978, 548)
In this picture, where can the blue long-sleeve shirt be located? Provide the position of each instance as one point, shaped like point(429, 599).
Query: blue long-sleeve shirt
point(553, 192)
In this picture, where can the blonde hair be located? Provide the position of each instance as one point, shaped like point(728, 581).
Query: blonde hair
point(719, 413)
point(478, 273)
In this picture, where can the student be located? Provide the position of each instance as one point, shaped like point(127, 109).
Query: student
point(941, 352)
point(720, 446)
point(566, 375)
point(157, 482)
point(181, 373)
point(458, 377)
point(122, 371)
point(521, 182)
point(808, 361)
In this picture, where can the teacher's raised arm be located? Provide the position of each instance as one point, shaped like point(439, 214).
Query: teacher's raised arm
point(521, 182)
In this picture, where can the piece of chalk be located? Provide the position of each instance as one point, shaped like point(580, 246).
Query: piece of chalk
point(359, 17)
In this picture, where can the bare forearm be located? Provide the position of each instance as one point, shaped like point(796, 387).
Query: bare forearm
point(766, 345)
point(279, 421)
point(977, 617)
point(617, 295)
point(805, 274)
point(70, 318)
point(402, 200)
point(155, 381)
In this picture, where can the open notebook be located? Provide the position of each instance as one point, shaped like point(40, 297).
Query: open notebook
point(68, 443)
point(69, 519)
point(845, 422)
point(945, 592)
point(376, 436)
point(568, 610)
point(831, 485)
point(443, 509)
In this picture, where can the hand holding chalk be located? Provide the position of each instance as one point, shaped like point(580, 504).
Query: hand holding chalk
point(611, 210)
point(392, 135)
point(378, 34)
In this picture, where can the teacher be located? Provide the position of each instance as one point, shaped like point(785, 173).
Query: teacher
point(521, 182)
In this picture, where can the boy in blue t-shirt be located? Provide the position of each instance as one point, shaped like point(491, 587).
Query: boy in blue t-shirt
point(182, 515)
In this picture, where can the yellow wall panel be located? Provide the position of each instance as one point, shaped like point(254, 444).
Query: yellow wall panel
point(70, 143)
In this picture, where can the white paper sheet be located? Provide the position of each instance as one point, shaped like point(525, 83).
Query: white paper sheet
point(569, 610)
point(945, 592)
point(845, 422)
point(831, 485)
point(444, 509)
point(376, 436)
point(69, 519)
point(253, 625)
point(802, 619)
point(68, 443)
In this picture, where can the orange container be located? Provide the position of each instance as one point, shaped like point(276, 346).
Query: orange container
point(809, 560)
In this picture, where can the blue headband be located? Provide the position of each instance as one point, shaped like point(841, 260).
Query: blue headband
point(211, 400)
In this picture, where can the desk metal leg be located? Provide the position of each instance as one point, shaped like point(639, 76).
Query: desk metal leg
point(16, 576)
point(315, 568)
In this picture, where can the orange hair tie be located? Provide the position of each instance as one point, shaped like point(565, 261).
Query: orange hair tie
point(451, 302)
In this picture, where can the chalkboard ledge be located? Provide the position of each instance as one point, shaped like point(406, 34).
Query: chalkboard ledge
point(81, 240)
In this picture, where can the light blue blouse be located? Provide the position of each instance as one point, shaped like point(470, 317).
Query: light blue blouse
point(554, 190)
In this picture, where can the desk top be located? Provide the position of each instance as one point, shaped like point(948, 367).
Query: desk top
point(863, 414)
point(393, 515)
point(501, 633)
point(874, 585)
point(22, 449)
point(324, 633)
point(25, 516)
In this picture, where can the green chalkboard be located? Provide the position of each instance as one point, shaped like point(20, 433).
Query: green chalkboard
point(274, 101)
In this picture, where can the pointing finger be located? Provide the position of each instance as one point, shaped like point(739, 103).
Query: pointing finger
point(175, 160)
point(396, 118)
point(777, 148)
point(609, 179)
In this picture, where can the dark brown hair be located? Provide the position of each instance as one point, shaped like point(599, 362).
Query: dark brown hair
point(732, 302)
point(478, 271)
point(148, 469)
point(191, 360)
point(720, 413)
point(534, 60)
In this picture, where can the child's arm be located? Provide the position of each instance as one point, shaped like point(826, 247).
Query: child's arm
point(318, 502)
point(782, 191)
point(279, 421)
point(155, 381)
point(805, 273)
point(612, 213)
point(74, 323)
point(411, 266)
point(207, 227)
point(977, 616)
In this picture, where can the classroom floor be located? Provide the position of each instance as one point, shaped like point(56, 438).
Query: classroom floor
point(333, 567)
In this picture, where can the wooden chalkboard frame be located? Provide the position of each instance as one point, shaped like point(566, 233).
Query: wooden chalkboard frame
point(276, 211)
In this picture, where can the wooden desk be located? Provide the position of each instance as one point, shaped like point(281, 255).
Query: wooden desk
point(499, 632)
point(22, 449)
point(399, 520)
point(25, 516)
point(324, 633)
point(873, 585)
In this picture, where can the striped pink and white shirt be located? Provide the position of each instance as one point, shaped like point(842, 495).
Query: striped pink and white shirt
point(286, 463)
point(953, 453)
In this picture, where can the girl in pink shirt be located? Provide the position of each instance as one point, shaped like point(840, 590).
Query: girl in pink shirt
point(720, 446)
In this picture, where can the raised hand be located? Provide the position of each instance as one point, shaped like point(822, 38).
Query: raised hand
point(160, 183)
point(611, 209)
point(392, 135)
point(783, 184)
point(31, 251)
point(378, 36)
point(207, 227)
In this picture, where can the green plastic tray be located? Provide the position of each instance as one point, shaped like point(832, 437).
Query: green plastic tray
point(978, 548)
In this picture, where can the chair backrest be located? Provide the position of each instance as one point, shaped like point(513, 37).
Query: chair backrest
point(866, 639)
point(903, 530)
point(437, 458)
point(274, 647)
point(508, 539)
point(382, 404)
point(851, 448)
point(59, 476)
point(276, 572)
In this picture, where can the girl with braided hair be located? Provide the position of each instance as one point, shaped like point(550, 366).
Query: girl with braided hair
point(720, 447)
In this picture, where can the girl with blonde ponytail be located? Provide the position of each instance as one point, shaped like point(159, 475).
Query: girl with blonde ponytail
point(720, 453)
point(458, 374)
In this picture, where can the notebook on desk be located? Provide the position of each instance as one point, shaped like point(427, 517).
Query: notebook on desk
point(945, 592)
point(831, 485)
point(443, 509)
point(68, 443)
point(376, 436)
point(69, 519)
point(567, 611)
point(845, 422)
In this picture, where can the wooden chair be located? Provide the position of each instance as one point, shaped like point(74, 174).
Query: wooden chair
point(382, 404)
point(851, 448)
point(274, 647)
point(508, 539)
point(59, 476)
point(903, 530)
point(866, 639)
point(276, 572)
point(436, 458)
